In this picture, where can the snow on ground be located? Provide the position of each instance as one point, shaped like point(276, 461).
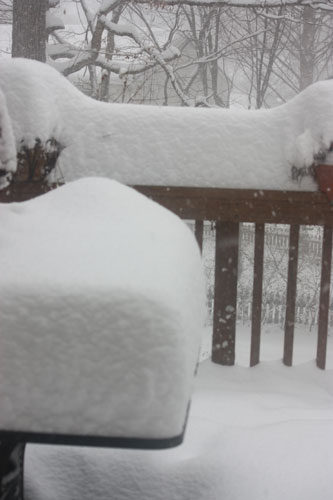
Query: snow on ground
point(262, 433)
point(165, 145)
point(100, 316)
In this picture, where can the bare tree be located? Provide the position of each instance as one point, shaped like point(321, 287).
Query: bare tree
point(209, 53)
point(29, 29)
point(6, 7)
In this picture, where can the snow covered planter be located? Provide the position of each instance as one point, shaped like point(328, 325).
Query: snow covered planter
point(101, 309)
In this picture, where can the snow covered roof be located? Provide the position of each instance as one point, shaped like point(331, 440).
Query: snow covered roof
point(148, 145)
point(101, 312)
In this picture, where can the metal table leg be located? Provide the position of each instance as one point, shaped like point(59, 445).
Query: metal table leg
point(11, 470)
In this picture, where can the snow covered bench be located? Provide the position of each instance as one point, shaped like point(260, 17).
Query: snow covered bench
point(101, 309)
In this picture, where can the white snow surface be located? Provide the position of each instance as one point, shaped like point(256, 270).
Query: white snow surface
point(7, 143)
point(262, 433)
point(148, 145)
point(101, 311)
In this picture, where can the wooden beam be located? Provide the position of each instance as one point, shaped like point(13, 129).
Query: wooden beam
point(243, 205)
point(23, 191)
point(237, 205)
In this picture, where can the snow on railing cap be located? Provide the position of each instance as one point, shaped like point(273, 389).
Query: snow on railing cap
point(147, 145)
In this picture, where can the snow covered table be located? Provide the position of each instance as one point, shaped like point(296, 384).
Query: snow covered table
point(101, 309)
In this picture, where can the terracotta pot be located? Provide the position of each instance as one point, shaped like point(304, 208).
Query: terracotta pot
point(324, 178)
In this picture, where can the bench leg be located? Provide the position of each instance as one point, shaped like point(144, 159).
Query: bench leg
point(11, 470)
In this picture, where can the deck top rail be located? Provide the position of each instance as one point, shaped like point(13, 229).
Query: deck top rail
point(244, 205)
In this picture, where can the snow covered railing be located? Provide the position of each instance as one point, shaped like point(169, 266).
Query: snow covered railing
point(228, 208)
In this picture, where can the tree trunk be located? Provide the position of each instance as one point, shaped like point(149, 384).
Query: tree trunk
point(307, 41)
point(29, 29)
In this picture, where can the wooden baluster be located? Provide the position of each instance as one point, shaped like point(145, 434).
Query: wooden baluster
point(225, 295)
point(291, 295)
point(324, 297)
point(258, 274)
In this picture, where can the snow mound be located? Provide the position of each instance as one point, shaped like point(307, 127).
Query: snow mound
point(101, 310)
point(253, 433)
point(148, 145)
point(7, 145)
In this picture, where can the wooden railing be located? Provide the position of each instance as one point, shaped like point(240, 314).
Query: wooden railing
point(228, 208)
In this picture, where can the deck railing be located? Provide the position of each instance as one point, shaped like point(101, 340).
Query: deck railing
point(228, 208)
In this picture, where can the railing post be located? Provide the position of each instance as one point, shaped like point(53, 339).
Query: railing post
point(291, 295)
point(324, 297)
point(258, 272)
point(225, 295)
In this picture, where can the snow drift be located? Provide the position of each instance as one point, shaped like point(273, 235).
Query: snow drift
point(101, 310)
point(7, 145)
point(253, 434)
point(148, 145)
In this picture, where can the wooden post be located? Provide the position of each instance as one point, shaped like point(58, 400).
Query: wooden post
point(258, 273)
point(29, 29)
point(324, 297)
point(225, 295)
point(291, 295)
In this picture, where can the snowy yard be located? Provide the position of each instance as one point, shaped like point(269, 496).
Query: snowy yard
point(253, 434)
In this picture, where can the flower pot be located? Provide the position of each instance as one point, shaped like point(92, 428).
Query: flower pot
point(324, 178)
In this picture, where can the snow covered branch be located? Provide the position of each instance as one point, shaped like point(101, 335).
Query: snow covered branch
point(235, 3)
